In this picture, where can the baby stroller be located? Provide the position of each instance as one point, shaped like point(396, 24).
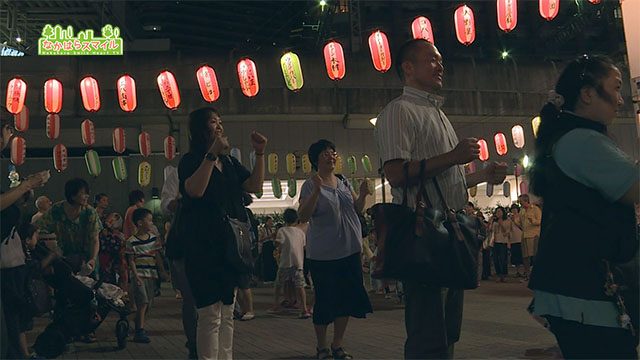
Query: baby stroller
point(81, 304)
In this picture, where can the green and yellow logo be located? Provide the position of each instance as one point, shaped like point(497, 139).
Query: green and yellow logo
point(57, 40)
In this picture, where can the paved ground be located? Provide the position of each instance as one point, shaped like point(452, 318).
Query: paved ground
point(496, 325)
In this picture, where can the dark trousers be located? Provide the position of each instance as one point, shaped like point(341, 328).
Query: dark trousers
point(486, 263)
point(433, 318)
point(580, 341)
point(500, 258)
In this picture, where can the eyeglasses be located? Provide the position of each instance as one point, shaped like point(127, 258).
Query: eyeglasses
point(329, 153)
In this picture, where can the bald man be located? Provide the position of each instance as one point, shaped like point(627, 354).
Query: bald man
point(43, 204)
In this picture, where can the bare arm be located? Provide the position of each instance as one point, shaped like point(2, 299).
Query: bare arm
point(132, 266)
point(394, 169)
point(95, 246)
point(254, 183)
point(10, 197)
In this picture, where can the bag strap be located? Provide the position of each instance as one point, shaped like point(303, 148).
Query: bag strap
point(439, 191)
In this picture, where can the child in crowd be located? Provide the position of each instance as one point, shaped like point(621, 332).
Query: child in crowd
point(143, 255)
point(111, 243)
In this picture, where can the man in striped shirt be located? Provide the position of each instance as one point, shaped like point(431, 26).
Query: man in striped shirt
point(412, 128)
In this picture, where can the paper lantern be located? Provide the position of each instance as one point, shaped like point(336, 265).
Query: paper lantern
point(119, 140)
point(53, 126)
point(421, 29)
point(352, 166)
point(60, 157)
point(366, 164)
point(144, 143)
point(489, 190)
point(517, 133)
point(119, 168)
point(276, 186)
point(501, 143)
point(90, 94)
point(21, 120)
point(595, 2)
point(53, 96)
point(291, 164)
point(18, 150)
point(507, 14)
point(292, 72)
point(535, 125)
point(465, 25)
point(169, 90)
point(208, 83)
point(169, 147)
point(484, 150)
point(88, 132)
point(338, 168)
point(380, 53)
point(506, 189)
point(292, 186)
point(355, 186)
point(144, 173)
point(524, 187)
point(549, 8)
point(473, 191)
point(517, 171)
point(16, 93)
point(127, 97)
point(272, 163)
point(93, 163)
point(236, 153)
point(334, 60)
point(306, 164)
point(248, 77)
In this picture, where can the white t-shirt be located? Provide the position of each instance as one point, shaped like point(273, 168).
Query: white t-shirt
point(292, 241)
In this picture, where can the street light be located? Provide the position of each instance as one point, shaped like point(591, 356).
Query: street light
point(525, 161)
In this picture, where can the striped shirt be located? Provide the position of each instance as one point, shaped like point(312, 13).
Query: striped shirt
point(144, 255)
point(413, 127)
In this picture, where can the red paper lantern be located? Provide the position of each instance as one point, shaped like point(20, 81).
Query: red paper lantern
point(144, 143)
point(421, 29)
point(53, 96)
point(507, 14)
point(119, 140)
point(484, 150)
point(208, 83)
point(501, 143)
point(595, 2)
point(21, 119)
point(88, 132)
point(334, 60)
point(53, 126)
point(517, 133)
point(60, 158)
point(18, 150)
point(248, 76)
point(90, 94)
point(549, 8)
point(16, 93)
point(127, 97)
point(524, 187)
point(169, 147)
point(380, 53)
point(169, 90)
point(465, 25)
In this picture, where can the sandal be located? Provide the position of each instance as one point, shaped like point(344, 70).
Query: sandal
point(323, 353)
point(339, 353)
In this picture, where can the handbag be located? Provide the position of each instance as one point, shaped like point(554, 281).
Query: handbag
point(239, 252)
point(428, 245)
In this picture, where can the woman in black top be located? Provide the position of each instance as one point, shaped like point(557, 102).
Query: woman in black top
point(212, 184)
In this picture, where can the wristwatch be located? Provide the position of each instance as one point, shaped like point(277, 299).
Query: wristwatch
point(211, 157)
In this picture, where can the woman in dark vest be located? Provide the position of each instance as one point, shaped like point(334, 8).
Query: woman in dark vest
point(588, 186)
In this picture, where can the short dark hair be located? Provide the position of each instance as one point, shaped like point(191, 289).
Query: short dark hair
point(98, 197)
point(290, 216)
point(73, 187)
point(135, 196)
point(199, 128)
point(505, 216)
point(26, 230)
point(406, 52)
point(316, 149)
point(140, 214)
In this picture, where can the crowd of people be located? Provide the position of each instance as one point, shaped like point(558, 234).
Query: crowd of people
point(215, 249)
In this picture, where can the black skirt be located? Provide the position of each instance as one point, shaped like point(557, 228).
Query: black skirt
point(339, 290)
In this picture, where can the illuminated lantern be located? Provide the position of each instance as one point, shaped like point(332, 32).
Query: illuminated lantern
point(506, 189)
point(355, 186)
point(421, 29)
point(53, 96)
point(501, 143)
point(272, 163)
point(127, 97)
point(535, 125)
point(93, 163)
point(16, 93)
point(338, 168)
point(306, 164)
point(524, 187)
point(170, 147)
point(352, 165)
point(53, 126)
point(21, 119)
point(507, 14)
point(484, 150)
point(292, 186)
point(517, 133)
point(90, 94)
point(334, 60)
point(18, 150)
point(380, 53)
point(277, 188)
point(518, 170)
point(88, 132)
point(473, 191)
point(291, 164)
point(119, 140)
point(144, 173)
point(248, 77)
point(366, 164)
point(595, 2)
point(119, 168)
point(489, 190)
point(292, 72)
point(60, 158)
point(549, 8)
point(235, 152)
point(144, 143)
point(169, 89)
point(465, 25)
point(208, 83)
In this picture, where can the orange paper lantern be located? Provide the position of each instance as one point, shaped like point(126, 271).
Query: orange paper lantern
point(18, 150)
point(465, 25)
point(16, 93)
point(21, 119)
point(127, 97)
point(507, 14)
point(90, 94)
point(208, 83)
point(484, 150)
point(53, 126)
point(380, 53)
point(248, 76)
point(421, 29)
point(53, 96)
point(517, 133)
point(501, 143)
point(144, 143)
point(119, 140)
point(88, 132)
point(169, 90)
point(549, 8)
point(334, 60)
point(169, 147)
point(60, 158)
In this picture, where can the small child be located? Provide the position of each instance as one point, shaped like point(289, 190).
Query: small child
point(111, 243)
point(143, 255)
